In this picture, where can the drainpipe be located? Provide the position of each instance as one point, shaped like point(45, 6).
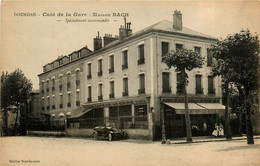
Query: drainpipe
point(157, 69)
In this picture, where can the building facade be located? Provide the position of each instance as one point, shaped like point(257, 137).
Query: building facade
point(125, 84)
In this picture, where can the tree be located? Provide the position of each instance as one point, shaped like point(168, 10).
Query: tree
point(237, 62)
point(15, 89)
point(184, 59)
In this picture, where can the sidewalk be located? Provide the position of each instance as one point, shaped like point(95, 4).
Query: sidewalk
point(209, 139)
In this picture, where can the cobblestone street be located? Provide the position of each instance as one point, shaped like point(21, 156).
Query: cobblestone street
point(73, 151)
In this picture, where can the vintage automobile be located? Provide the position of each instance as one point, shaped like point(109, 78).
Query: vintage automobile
point(110, 133)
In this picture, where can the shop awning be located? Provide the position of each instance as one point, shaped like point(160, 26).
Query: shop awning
point(198, 108)
point(213, 107)
point(78, 112)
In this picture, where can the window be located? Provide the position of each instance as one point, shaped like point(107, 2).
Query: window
point(211, 89)
point(48, 104)
point(179, 46)
point(179, 85)
point(209, 57)
point(112, 89)
point(197, 49)
point(141, 110)
point(43, 104)
point(100, 67)
point(140, 117)
point(47, 87)
point(125, 60)
point(111, 64)
point(53, 102)
point(166, 82)
point(77, 99)
point(125, 110)
point(141, 54)
point(77, 79)
point(53, 85)
point(69, 100)
point(198, 84)
point(61, 101)
point(100, 95)
point(165, 48)
point(141, 89)
point(89, 71)
point(113, 112)
point(68, 81)
point(60, 84)
point(42, 88)
point(125, 87)
point(89, 94)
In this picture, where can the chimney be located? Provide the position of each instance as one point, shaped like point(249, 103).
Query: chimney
point(177, 20)
point(97, 43)
point(108, 38)
point(125, 31)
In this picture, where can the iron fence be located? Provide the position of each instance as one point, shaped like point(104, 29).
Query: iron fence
point(128, 122)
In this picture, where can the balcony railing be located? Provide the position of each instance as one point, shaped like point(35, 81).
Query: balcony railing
point(124, 66)
point(89, 76)
point(100, 97)
point(211, 91)
point(100, 73)
point(199, 91)
point(141, 91)
point(89, 99)
point(140, 61)
point(69, 104)
point(167, 90)
point(111, 95)
point(77, 103)
point(111, 70)
point(124, 93)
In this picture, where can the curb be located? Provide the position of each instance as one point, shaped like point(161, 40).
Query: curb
point(218, 140)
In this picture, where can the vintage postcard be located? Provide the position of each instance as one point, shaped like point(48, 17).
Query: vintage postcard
point(100, 83)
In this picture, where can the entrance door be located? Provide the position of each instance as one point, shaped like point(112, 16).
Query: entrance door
point(174, 124)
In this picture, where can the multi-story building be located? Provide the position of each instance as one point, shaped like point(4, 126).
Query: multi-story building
point(61, 84)
point(125, 83)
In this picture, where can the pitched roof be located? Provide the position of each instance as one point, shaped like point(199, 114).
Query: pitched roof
point(165, 26)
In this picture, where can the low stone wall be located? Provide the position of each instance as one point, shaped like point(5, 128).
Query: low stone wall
point(131, 133)
point(142, 134)
point(87, 133)
point(47, 133)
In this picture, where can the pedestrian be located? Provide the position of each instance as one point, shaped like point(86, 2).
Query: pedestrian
point(221, 130)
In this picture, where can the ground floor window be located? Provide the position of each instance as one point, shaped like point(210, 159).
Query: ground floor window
point(123, 117)
point(201, 124)
point(92, 118)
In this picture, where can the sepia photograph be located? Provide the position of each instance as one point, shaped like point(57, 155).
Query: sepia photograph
point(143, 83)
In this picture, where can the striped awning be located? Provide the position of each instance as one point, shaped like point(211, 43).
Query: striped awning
point(198, 108)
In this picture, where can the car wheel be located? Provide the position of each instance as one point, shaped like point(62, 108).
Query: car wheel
point(95, 136)
point(110, 137)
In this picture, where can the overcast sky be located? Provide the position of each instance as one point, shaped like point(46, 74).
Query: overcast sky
point(29, 42)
